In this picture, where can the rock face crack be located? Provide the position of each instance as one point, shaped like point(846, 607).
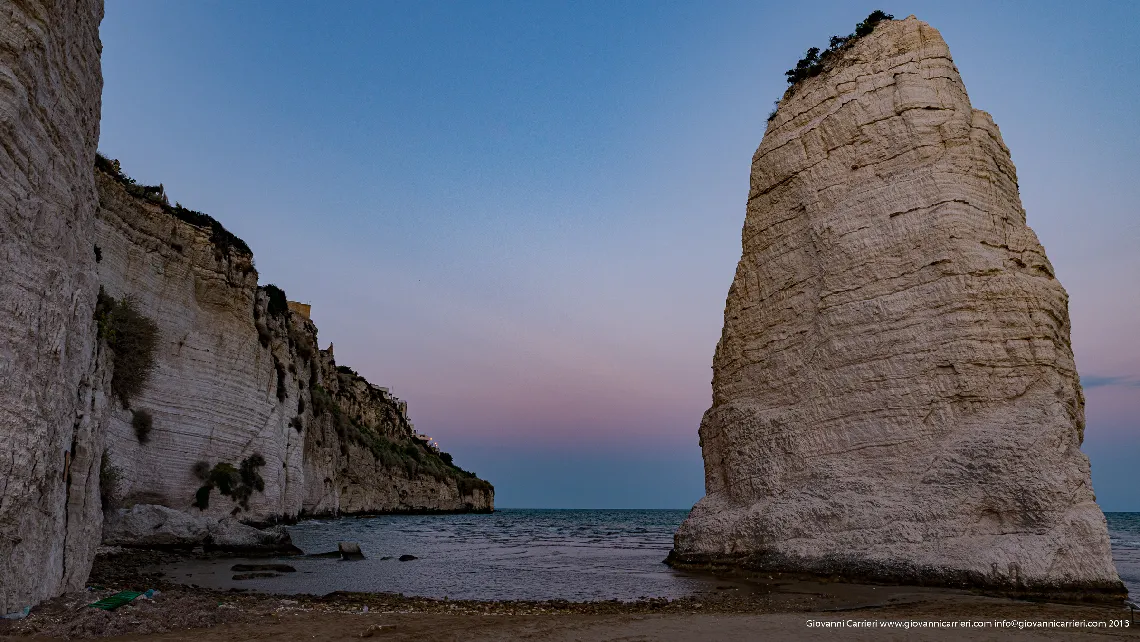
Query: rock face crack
point(894, 392)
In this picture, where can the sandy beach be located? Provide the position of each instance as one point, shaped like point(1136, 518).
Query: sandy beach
point(744, 608)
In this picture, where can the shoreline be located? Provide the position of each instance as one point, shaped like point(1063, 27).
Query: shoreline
point(783, 603)
point(291, 520)
point(869, 572)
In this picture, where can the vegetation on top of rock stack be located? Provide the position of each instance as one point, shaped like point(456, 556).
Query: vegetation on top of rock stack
point(219, 235)
point(814, 60)
point(132, 338)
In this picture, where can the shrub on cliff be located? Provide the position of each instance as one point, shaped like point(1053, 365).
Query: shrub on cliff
point(278, 304)
point(132, 338)
point(282, 393)
point(305, 343)
point(222, 238)
point(237, 483)
point(109, 477)
point(142, 421)
point(201, 470)
point(813, 61)
point(321, 400)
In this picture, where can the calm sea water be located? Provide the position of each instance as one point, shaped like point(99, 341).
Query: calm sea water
point(521, 554)
point(509, 554)
point(1124, 533)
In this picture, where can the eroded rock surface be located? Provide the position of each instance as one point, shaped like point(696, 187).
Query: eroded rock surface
point(237, 377)
point(158, 526)
point(894, 392)
point(52, 391)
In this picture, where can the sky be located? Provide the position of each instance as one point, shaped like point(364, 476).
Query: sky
point(524, 217)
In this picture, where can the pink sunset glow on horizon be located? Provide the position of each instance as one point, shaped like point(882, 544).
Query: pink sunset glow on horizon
point(530, 239)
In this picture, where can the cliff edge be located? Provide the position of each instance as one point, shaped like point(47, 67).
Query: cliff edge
point(244, 416)
point(222, 410)
point(894, 392)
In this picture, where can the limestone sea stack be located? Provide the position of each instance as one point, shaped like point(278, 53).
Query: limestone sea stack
point(894, 392)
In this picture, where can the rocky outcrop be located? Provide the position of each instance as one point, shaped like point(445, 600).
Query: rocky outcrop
point(238, 379)
point(213, 391)
point(52, 389)
point(359, 433)
point(161, 527)
point(894, 392)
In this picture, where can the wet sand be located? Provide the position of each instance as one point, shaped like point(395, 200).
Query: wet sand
point(738, 609)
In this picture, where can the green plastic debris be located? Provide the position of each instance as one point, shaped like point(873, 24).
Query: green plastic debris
point(115, 601)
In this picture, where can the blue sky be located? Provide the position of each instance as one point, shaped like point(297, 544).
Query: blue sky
point(524, 217)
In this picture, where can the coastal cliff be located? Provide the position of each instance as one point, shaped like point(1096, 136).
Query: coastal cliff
point(53, 372)
point(894, 392)
point(225, 411)
point(239, 385)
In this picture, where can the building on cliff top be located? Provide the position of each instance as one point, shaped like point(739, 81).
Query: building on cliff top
point(302, 309)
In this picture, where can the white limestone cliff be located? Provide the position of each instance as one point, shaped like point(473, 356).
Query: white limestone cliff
point(232, 380)
point(236, 377)
point(894, 391)
point(52, 389)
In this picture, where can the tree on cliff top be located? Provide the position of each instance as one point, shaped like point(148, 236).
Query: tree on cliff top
point(813, 61)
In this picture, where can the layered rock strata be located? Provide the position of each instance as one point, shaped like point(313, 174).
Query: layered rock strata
point(233, 434)
point(894, 391)
point(52, 386)
point(238, 375)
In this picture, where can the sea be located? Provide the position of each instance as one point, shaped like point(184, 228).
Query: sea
point(518, 554)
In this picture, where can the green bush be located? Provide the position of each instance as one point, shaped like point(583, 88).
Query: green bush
point(278, 305)
point(812, 63)
point(282, 393)
point(304, 342)
point(132, 338)
point(250, 477)
point(321, 400)
point(201, 470)
point(143, 422)
point(237, 483)
point(224, 477)
point(109, 477)
point(222, 238)
point(202, 498)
